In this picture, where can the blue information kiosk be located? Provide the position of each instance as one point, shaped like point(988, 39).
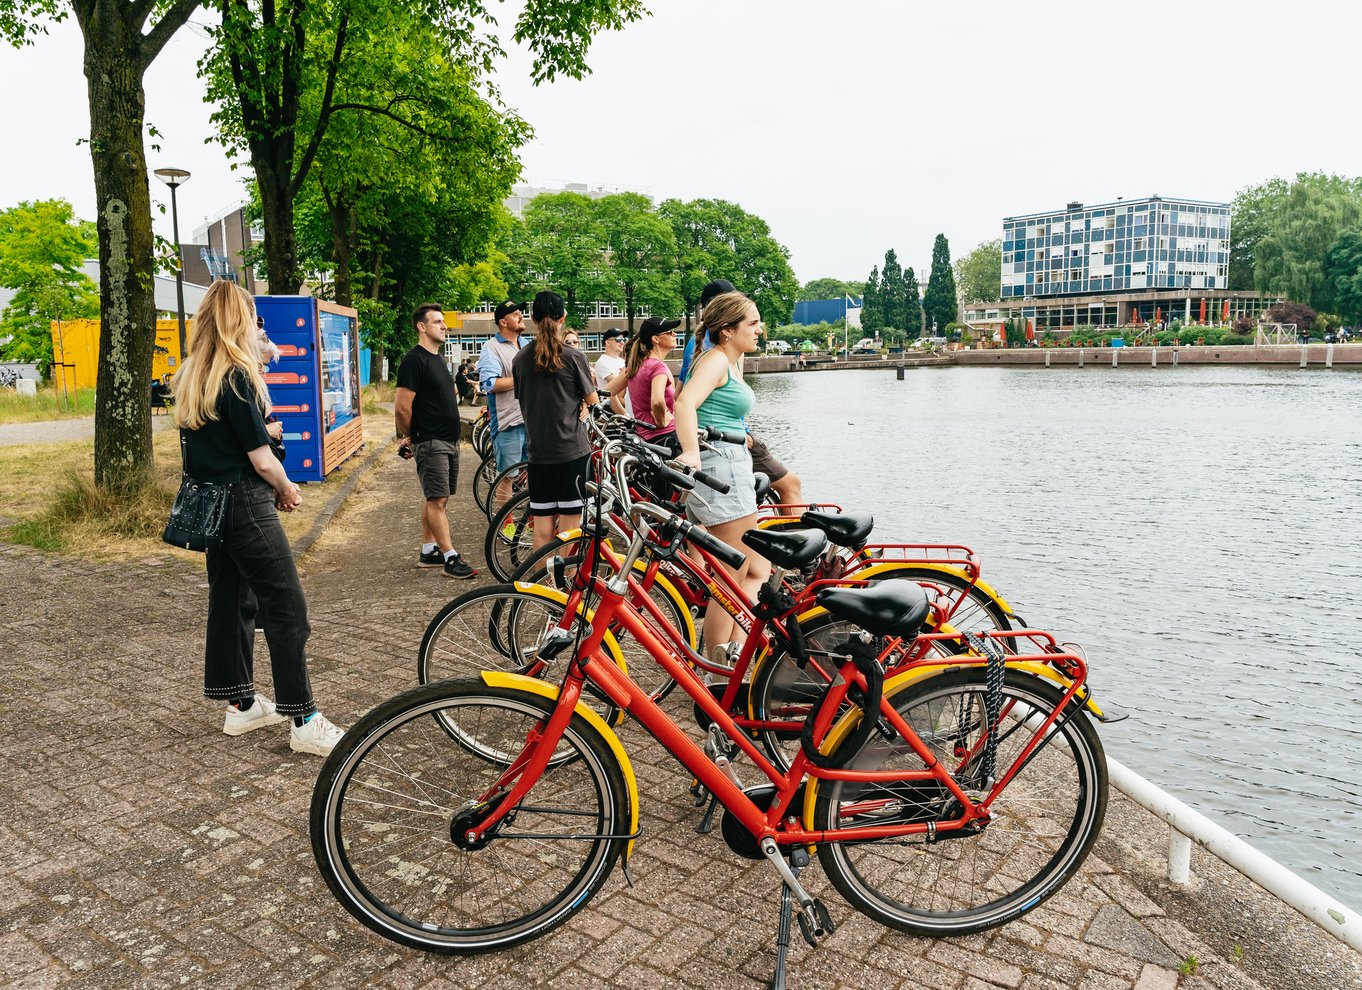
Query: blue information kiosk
point(315, 386)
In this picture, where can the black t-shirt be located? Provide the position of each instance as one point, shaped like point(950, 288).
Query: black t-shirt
point(217, 450)
point(434, 410)
point(554, 432)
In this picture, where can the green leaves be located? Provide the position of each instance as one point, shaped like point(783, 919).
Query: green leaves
point(1343, 264)
point(939, 302)
point(979, 274)
point(42, 247)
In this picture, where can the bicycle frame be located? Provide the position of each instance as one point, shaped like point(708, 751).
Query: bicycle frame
point(776, 820)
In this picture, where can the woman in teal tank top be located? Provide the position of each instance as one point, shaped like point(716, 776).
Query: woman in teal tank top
point(715, 395)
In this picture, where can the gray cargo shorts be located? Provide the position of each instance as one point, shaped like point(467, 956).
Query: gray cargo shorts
point(437, 465)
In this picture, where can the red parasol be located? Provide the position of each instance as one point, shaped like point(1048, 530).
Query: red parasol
point(1203, 311)
point(1030, 331)
point(1225, 313)
point(1158, 314)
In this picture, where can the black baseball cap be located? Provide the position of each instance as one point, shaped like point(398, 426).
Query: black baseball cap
point(506, 309)
point(716, 288)
point(612, 333)
point(548, 306)
point(655, 325)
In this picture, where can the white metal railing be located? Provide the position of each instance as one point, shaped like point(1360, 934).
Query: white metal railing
point(1186, 825)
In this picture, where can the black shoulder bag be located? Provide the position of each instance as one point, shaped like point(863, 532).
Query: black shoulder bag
point(200, 510)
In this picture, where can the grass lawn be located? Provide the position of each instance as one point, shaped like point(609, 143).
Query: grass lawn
point(48, 499)
point(47, 404)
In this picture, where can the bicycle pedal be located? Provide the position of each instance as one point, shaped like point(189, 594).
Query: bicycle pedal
point(815, 923)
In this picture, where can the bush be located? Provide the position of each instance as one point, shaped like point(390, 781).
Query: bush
point(1236, 340)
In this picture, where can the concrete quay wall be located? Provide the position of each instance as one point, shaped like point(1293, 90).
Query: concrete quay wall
point(1316, 355)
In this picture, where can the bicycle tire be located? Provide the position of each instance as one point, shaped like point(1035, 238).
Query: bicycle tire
point(482, 435)
point(500, 627)
point(980, 612)
point(515, 480)
point(1043, 824)
point(510, 537)
point(649, 674)
point(482, 481)
point(394, 783)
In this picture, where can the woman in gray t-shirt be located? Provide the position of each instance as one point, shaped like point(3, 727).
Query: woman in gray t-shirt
point(554, 386)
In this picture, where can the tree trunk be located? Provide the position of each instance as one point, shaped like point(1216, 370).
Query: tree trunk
point(276, 207)
point(377, 353)
point(127, 302)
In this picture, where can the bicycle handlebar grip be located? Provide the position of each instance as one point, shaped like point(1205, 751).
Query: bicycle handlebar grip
point(675, 478)
point(712, 482)
point(727, 436)
point(733, 558)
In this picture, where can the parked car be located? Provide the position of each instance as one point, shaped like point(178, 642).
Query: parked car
point(778, 347)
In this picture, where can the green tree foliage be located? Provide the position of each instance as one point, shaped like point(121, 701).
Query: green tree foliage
point(940, 302)
point(830, 288)
point(1249, 218)
point(892, 303)
point(42, 246)
point(912, 310)
point(979, 274)
point(1343, 264)
point(121, 40)
point(872, 308)
point(558, 245)
point(1301, 227)
point(639, 248)
point(1014, 332)
point(280, 76)
point(719, 239)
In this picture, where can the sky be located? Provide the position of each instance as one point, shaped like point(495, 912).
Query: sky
point(849, 127)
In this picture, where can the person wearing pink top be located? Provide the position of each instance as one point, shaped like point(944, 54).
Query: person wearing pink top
point(651, 385)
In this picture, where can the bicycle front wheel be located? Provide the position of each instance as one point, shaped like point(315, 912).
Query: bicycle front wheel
point(1043, 823)
point(393, 793)
point(483, 478)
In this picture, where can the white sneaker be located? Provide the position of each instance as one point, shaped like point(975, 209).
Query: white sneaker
point(317, 736)
point(261, 713)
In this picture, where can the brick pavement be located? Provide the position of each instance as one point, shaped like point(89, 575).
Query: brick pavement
point(142, 848)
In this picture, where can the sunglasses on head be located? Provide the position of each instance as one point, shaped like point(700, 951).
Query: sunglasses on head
point(260, 323)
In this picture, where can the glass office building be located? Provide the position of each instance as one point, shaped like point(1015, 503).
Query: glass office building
point(1126, 246)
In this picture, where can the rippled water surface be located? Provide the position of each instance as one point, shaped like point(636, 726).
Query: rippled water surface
point(1199, 530)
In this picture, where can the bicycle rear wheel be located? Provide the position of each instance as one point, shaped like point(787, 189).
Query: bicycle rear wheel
point(510, 537)
point(482, 435)
point(391, 797)
point(1042, 827)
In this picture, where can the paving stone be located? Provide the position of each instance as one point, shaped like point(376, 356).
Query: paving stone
point(1113, 928)
point(1157, 978)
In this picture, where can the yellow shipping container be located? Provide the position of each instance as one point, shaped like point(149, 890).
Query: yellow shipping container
point(75, 351)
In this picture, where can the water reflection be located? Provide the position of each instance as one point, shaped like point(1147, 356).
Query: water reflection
point(1196, 528)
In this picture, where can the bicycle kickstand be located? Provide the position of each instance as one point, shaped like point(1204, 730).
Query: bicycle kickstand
point(707, 820)
point(783, 936)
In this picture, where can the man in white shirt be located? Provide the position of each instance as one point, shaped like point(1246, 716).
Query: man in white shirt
point(610, 364)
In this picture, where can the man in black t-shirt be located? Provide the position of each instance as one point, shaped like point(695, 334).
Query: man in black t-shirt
point(427, 414)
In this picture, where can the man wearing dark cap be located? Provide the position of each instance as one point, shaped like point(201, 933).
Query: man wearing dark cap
point(610, 364)
point(494, 374)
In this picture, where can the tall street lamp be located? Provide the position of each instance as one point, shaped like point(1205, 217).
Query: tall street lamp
point(174, 178)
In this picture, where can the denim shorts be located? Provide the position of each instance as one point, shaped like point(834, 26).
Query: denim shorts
point(510, 446)
point(731, 463)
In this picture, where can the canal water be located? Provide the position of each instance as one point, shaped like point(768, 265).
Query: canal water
point(1198, 530)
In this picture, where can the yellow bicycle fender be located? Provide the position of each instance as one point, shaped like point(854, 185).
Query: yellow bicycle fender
point(884, 567)
point(519, 682)
point(669, 589)
point(897, 683)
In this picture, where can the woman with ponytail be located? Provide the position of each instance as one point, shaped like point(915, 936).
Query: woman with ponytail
point(220, 406)
point(554, 385)
point(649, 382)
point(715, 395)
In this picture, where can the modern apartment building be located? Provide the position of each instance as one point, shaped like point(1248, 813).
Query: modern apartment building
point(1125, 246)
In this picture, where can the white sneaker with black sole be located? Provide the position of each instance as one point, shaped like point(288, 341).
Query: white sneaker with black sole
point(261, 713)
point(317, 736)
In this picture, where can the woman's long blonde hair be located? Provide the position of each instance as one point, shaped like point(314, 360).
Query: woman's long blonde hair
point(223, 340)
